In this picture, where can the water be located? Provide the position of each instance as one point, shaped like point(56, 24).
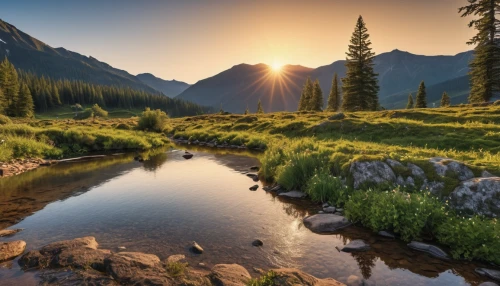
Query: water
point(162, 205)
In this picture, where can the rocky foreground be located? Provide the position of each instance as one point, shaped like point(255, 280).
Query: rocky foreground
point(81, 262)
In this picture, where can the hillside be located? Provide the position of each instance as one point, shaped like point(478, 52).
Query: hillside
point(30, 54)
point(170, 88)
point(399, 73)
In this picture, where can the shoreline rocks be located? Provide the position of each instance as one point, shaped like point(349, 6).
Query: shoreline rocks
point(196, 248)
point(9, 232)
point(11, 249)
point(293, 194)
point(357, 245)
point(19, 166)
point(325, 223)
point(430, 249)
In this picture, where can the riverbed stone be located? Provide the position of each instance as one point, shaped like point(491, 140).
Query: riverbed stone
point(445, 166)
point(293, 277)
point(325, 223)
point(293, 194)
point(257, 242)
point(375, 172)
point(488, 284)
point(9, 232)
point(229, 275)
point(196, 248)
point(430, 249)
point(479, 196)
point(329, 210)
point(357, 245)
point(354, 280)
point(11, 249)
point(386, 234)
point(254, 188)
point(136, 268)
point(490, 273)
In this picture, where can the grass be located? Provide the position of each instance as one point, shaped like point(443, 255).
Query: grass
point(265, 280)
point(176, 269)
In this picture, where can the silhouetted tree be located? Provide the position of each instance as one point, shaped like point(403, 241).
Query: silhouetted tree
point(334, 97)
point(25, 106)
point(421, 96)
point(410, 102)
point(445, 100)
point(485, 66)
point(317, 97)
point(360, 85)
point(260, 110)
point(306, 95)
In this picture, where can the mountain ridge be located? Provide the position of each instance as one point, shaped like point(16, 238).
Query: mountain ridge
point(170, 88)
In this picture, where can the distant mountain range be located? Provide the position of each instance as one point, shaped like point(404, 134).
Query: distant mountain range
point(170, 88)
point(399, 74)
point(243, 85)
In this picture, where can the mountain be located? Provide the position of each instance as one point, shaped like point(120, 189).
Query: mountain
point(30, 54)
point(243, 85)
point(170, 88)
point(399, 73)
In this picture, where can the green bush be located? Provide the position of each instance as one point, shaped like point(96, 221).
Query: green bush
point(265, 280)
point(153, 120)
point(85, 114)
point(176, 269)
point(97, 111)
point(300, 166)
point(4, 120)
point(323, 187)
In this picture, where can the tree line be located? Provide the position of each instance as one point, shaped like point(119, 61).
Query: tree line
point(24, 93)
point(360, 85)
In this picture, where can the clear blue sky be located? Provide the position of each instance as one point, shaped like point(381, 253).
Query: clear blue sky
point(191, 40)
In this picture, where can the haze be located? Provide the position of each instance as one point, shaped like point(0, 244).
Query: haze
point(192, 40)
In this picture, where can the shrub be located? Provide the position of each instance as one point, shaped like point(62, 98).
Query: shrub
point(87, 113)
point(265, 280)
point(4, 120)
point(123, 126)
point(176, 269)
point(323, 187)
point(97, 111)
point(153, 120)
point(300, 166)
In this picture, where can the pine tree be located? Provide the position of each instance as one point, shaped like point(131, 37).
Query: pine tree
point(334, 97)
point(485, 66)
point(410, 102)
point(305, 97)
point(247, 111)
point(360, 85)
point(2, 101)
point(317, 97)
point(10, 86)
point(260, 110)
point(445, 100)
point(25, 106)
point(421, 96)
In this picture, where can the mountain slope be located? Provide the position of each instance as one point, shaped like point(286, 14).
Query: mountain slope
point(30, 54)
point(170, 88)
point(243, 85)
point(399, 73)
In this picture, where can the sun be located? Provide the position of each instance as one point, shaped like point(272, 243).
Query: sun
point(276, 67)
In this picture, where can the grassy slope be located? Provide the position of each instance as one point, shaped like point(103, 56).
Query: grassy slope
point(65, 112)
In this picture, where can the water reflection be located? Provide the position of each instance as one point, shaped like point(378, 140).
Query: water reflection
point(162, 204)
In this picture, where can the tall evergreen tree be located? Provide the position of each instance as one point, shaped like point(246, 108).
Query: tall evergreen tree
point(10, 86)
point(485, 66)
point(316, 102)
point(334, 97)
point(421, 96)
point(445, 100)
point(25, 106)
point(360, 85)
point(410, 101)
point(306, 95)
point(247, 111)
point(2, 102)
point(260, 110)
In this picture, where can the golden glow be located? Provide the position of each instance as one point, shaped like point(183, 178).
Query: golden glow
point(276, 67)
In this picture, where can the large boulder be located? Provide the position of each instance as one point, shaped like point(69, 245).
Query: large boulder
point(478, 196)
point(229, 275)
point(325, 223)
point(136, 268)
point(292, 277)
point(428, 248)
point(376, 172)
point(11, 249)
point(446, 167)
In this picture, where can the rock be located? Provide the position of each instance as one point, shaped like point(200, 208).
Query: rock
point(329, 210)
point(292, 277)
point(9, 232)
point(11, 249)
point(400, 181)
point(293, 194)
point(371, 172)
point(394, 163)
point(121, 248)
point(136, 268)
point(338, 116)
point(444, 166)
point(340, 210)
point(486, 174)
point(276, 189)
point(187, 156)
point(325, 223)
point(436, 188)
point(354, 280)
point(488, 284)
point(416, 171)
point(490, 273)
point(387, 234)
point(356, 245)
point(175, 258)
point(428, 248)
point(479, 196)
point(325, 205)
point(255, 177)
point(229, 275)
point(257, 242)
point(255, 168)
point(254, 188)
point(196, 248)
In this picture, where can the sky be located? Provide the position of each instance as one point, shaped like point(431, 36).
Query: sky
point(191, 40)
